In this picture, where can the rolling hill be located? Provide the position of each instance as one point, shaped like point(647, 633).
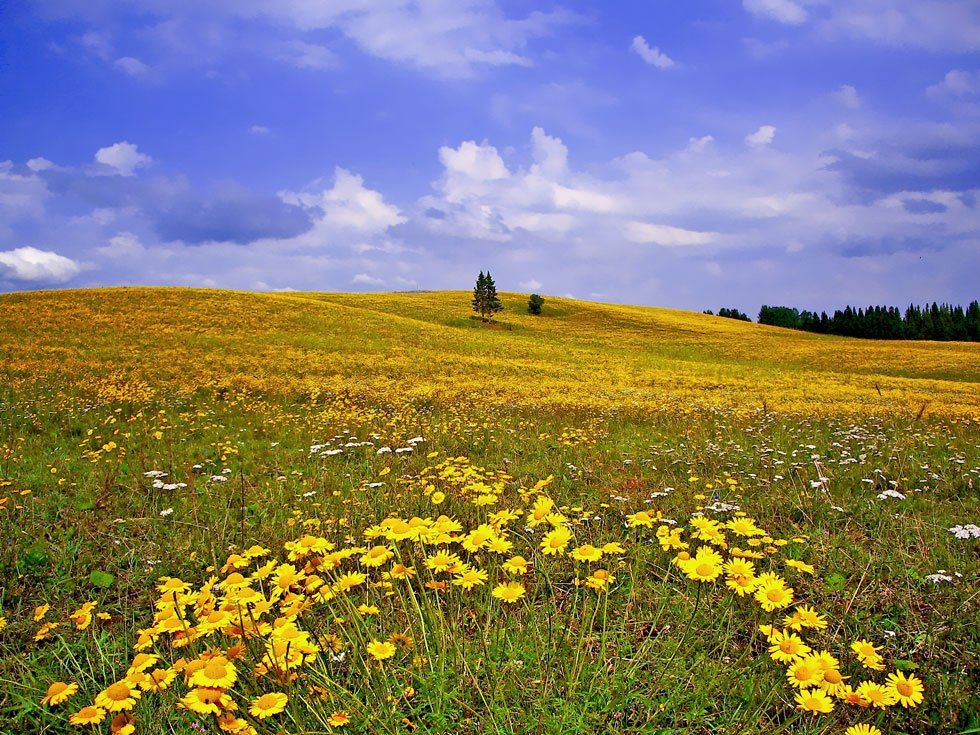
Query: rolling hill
point(427, 345)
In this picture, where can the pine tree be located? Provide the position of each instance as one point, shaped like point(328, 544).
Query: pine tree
point(479, 293)
point(486, 303)
point(492, 300)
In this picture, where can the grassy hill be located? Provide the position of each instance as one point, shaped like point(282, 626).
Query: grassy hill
point(227, 512)
point(425, 344)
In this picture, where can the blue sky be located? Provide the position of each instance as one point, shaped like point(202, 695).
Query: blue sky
point(686, 154)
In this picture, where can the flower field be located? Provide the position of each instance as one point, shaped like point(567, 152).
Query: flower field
point(339, 513)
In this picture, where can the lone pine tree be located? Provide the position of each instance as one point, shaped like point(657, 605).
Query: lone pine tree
point(486, 303)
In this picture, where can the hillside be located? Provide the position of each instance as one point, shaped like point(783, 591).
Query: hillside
point(318, 513)
point(428, 346)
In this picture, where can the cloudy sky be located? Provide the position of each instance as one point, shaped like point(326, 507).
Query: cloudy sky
point(687, 154)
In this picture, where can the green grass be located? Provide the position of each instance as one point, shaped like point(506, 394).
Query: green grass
point(656, 654)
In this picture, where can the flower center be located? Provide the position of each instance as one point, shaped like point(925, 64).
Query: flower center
point(118, 692)
point(215, 670)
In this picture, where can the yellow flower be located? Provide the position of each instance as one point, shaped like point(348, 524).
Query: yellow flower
point(587, 553)
point(600, 579)
point(59, 692)
point(380, 650)
point(470, 578)
point(786, 647)
point(45, 631)
point(217, 673)
point(907, 690)
point(800, 566)
point(87, 716)
point(867, 654)
point(437, 497)
point(556, 541)
point(814, 700)
point(774, 595)
point(878, 696)
point(40, 611)
point(204, 700)
point(862, 729)
point(509, 591)
point(117, 697)
point(805, 672)
point(142, 661)
point(350, 581)
point(122, 724)
point(268, 705)
point(442, 561)
point(516, 565)
point(705, 566)
point(338, 719)
point(805, 617)
point(641, 518)
point(833, 681)
point(376, 556)
point(158, 680)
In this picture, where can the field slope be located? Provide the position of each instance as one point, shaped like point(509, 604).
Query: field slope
point(312, 513)
point(428, 344)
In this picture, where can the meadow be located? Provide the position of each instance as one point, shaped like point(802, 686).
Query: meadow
point(372, 513)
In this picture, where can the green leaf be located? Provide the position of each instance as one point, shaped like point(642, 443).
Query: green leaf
point(101, 579)
point(835, 582)
point(905, 665)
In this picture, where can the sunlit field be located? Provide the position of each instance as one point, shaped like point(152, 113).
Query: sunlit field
point(338, 513)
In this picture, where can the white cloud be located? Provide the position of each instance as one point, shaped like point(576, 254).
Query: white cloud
point(123, 158)
point(39, 164)
point(367, 280)
point(531, 285)
point(645, 232)
point(478, 162)
point(123, 245)
point(697, 145)
point(259, 130)
point(651, 54)
point(939, 25)
point(131, 65)
point(848, 96)
point(783, 11)
point(30, 265)
point(957, 83)
point(761, 137)
point(305, 55)
point(346, 209)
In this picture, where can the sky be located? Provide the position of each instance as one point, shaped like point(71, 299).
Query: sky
point(695, 155)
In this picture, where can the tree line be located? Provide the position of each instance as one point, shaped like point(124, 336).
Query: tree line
point(942, 322)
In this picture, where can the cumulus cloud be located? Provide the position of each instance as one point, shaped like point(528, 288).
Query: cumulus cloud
point(304, 55)
point(847, 96)
point(761, 137)
point(259, 130)
point(39, 164)
point(31, 265)
point(448, 38)
point(645, 232)
point(350, 204)
point(531, 285)
point(122, 158)
point(651, 54)
point(697, 145)
point(783, 11)
point(957, 83)
point(131, 65)
point(940, 25)
point(123, 245)
point(365, 279)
